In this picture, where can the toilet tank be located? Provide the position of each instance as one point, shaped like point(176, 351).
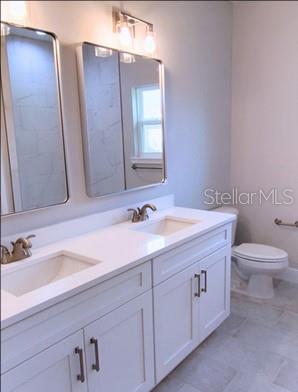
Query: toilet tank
point(230, 210)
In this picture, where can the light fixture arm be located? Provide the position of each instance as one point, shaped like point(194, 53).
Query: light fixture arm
point(121, 16)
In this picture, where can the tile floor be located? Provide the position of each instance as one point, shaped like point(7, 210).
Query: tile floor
point(254, 350)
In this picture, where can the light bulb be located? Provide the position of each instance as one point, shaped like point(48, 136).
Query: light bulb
point(125, 35)
point(149, 42)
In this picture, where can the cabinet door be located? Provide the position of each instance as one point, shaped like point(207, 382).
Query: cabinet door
point(54, 369)
point(119, 348)
point(175, 320)
point(214, 304)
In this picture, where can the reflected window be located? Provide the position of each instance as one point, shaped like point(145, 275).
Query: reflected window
point(147, 121)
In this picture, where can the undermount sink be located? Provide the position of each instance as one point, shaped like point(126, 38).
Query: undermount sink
point(44, 272)
point(165, 226)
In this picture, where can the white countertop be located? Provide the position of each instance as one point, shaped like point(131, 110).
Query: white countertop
point(117, 247)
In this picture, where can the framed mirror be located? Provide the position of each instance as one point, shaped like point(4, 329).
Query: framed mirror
point(122, 120)
point(33, 166)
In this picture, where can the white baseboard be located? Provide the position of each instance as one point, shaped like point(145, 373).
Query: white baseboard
point(290, 275)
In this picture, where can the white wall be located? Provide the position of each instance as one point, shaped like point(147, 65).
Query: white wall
point(265, 116)
point(195, 44)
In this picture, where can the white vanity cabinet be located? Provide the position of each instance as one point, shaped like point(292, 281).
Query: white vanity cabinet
point(54, 369)
point(126, 333)
point(214, 302)
point(176, 320)
point(114, 353)
point(191, 304)
point(119, 349)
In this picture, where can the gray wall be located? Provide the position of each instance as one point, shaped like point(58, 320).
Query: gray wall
point(194, 40)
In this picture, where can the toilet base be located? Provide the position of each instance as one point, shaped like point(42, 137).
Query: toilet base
point(260, 286)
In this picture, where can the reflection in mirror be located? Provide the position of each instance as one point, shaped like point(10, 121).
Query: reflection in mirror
point(122, 120)
point(142, 120)
point(102, 137)
point(33, 173)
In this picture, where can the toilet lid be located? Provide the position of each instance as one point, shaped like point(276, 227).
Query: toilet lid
point(258, 252)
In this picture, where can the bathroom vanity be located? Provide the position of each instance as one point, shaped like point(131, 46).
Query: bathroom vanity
point(115, 309)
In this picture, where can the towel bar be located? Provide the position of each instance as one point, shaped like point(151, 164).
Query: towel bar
point(279, 222)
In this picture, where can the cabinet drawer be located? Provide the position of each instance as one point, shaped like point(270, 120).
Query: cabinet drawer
point(181, 257)
point(34, 334)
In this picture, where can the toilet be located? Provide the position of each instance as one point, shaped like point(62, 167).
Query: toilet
point(256, 264)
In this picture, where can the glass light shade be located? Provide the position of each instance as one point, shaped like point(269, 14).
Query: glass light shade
point(149, 42)
point(125, 36)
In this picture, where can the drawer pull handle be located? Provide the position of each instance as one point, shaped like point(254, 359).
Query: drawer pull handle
point(204, 289)
point(81, 376)
point(198, 293)
point(95, 366)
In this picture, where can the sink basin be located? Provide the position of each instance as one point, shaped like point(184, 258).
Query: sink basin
point(44, 272)
point(165, 226)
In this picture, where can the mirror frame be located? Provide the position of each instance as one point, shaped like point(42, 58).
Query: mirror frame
point(56, 52)
point(83, 111)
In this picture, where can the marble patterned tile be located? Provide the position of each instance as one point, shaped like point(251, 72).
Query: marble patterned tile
point(260, 337)
point(288, 348)
point(288, 324)
point(170, 384)
point(262, 313)
point(205, 373)
point(252, 382)
point(288, 376)
point(239, 356)
point(286, 296)
point(231, 324)
point(188, 388)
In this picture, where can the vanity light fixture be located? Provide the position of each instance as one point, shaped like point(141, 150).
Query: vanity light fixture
point(125, 26)
point(102, 52)
point(127, 58)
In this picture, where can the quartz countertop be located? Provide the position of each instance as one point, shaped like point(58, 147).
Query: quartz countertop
point(114, 249)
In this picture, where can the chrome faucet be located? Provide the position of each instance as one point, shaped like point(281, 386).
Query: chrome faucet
point(141, 214)
point(21, 250)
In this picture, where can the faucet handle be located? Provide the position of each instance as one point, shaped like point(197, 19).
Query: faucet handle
point(4, 250)
point(5, 253)
point(27, 242)
point(136, 214)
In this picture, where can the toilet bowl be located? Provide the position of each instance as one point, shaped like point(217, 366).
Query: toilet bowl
point(256, 264)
